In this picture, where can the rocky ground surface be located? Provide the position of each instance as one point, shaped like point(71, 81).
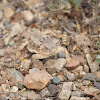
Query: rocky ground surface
point(52, 77)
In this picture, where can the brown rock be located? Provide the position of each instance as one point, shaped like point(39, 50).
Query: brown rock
point(27, 15)
point(8, 12)
point(25, 64)
point(2, 81)
point(97, 74)
point(78, 70)
point(80, 58)
point(91, 91)
point(72, 65)
point(86, 68)
point(37, 80)
point(97, 97)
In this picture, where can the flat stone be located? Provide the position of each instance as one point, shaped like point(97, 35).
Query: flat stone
point(76, 93)
point(79, 98)
point(53, 89)
point(44, 93)
point(71, 76)
point(80, 58)
point(61, 55)
point(67, 86)
point(92, 91)
point(97, 97)
point(78, 70)
point(72, 65)
point(97, 84)
point(37, 80)
point(64, 95)
point(30, 95)
point(89, 76)
point(18, 78)
point(94, 67)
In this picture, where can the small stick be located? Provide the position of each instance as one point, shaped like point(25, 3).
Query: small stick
point(70, 32)
point(31, 8)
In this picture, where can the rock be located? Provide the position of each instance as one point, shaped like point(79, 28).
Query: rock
point(33, 70)
point(37, 64)
point(2, 52)
point(97, 74)
point(74, 87)
point(48, 99)
point(94, 67)
point(71, 76)
point(44, 93)
point(18, 78)
point(54, 65)
point(78, 70)
point(92, 91)
point(4, 88)
point(86, 68)
point(37, 80)
point(67, 86)
point(72, 65)
point(55, 80)
point(61, 77)
point(61, 55)
point(14, 89)
point(89, 76)
point(25, 64)
point(27, 15)
point(53, 89)
point(79, 98)
point(64, 95)
point(76, 93)
point(97, 84)
point(89, 59)
point(30, 95)
point(8, 12)
point(2, 81)
point(97, 97)
point(86, 82)
point(1, 15)
point(80, 59)
point(82, 40)
point(79, 84)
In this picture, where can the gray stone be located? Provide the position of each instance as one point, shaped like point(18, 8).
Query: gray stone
point(71, 76)
point(53, 89)
point(89, 76)
point(67, 86)
point(56, 80)
point(64, 95)
point(97, 84)
point(76, 93)
point(30, 95)
point(61, 55)
point(79, 84)
point(44, 93)
point(18, 78)
point(94, 67)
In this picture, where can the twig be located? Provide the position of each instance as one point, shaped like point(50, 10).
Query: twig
point(70, 32)
point(31, 8)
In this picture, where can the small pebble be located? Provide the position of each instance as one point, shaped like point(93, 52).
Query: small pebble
point(55, 80)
